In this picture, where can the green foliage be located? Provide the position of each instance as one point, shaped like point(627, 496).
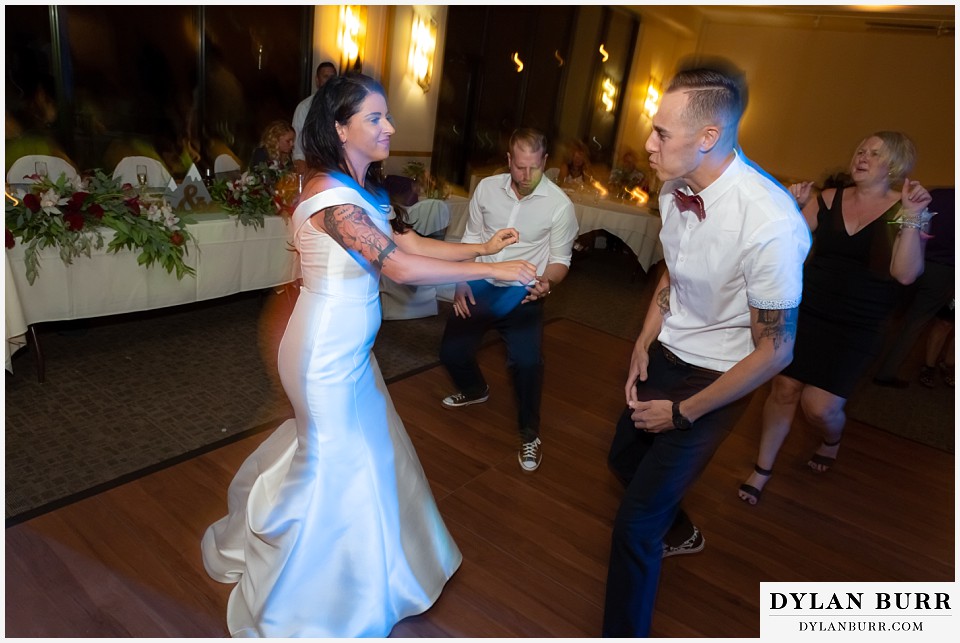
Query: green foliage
point(70, 214)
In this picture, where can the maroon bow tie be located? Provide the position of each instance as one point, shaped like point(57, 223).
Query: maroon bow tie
point(691, 202)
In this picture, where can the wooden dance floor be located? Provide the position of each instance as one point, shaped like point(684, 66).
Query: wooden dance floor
point(126, 563)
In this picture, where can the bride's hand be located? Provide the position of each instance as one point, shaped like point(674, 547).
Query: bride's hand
point(519, 270)
point(500, 240)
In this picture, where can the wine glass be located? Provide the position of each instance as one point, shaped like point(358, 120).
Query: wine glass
point(142, 176)
point(41, 168)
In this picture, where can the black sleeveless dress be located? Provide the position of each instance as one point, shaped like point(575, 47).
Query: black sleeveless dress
point(848, 296)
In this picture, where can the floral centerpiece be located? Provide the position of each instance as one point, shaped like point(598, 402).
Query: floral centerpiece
point(429, 186)
point(262, 190)
point(72, 213)
point(627, 178)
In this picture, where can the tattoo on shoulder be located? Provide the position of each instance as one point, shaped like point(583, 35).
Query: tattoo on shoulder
point(350, 227)
point(778, 325)
point(663, 300)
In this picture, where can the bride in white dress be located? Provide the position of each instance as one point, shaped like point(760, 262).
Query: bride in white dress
point(331, 529)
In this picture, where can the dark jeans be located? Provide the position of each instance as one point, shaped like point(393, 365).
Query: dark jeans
point(657, 469)
point(520, 326)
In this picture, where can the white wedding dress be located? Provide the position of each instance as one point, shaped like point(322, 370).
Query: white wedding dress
point(332, 529)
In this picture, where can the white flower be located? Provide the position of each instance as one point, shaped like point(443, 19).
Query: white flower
point(154, 214)
point(78, 184)
point(49, 201)
point(170, 219)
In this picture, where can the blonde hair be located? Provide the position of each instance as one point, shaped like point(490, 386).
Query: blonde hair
point(901, 153)
point(270, 140)
point(528, 139)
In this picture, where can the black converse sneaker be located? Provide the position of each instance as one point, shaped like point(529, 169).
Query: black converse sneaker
point(457, 400)
point(530, 455)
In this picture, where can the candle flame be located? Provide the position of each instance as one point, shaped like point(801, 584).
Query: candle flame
point(599, 188)
point(15, 200)
point(639, 195)
point(517, 61)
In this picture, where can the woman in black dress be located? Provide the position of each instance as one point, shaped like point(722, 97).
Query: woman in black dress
point(276, 145)
point(850, 287)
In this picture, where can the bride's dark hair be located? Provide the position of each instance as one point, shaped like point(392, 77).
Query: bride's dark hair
point(336, 102)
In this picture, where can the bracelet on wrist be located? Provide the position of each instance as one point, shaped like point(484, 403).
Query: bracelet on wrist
point(921, 221)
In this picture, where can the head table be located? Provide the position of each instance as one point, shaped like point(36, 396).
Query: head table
point(636, 226)
point(228, 258)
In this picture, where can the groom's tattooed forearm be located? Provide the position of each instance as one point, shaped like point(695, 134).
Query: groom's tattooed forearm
point(663, 300)
point(350, 226)
point(778, 325)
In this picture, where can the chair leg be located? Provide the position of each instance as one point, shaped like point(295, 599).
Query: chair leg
point(38, 352)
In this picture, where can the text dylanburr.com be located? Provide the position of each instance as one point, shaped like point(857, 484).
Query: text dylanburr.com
point(866, 611)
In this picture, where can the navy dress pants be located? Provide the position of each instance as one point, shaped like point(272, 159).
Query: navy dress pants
point(520, 326)
point(657, 469)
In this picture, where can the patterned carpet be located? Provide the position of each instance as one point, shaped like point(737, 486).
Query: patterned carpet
point(126, 395)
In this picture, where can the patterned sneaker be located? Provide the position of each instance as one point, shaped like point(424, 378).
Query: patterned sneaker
point(457, 400)
point(530, 455)
point(691, 545)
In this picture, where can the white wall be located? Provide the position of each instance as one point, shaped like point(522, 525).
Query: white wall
point(414, 111)
point(814, 94)
point(385, 59)
point(661, 43)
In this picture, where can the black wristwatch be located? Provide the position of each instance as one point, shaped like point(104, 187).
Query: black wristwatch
point(680, 423)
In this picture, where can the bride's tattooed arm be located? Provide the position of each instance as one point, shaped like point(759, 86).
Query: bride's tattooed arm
point(352, 228)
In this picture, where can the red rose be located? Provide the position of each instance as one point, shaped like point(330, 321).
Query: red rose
point(72, 207)
point(176, 238)
point(95, 210)
point(32, 202)
point(126, 186)
point(10, 241)
point(134, 205)
point(74, 221)
point(78, 198)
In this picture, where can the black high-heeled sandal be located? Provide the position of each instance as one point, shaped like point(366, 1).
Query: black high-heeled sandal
point(752, 491)
point(822, 460)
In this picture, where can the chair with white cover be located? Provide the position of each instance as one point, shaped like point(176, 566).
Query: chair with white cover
point(157, 175)
point(26, 166)
point(399, 301)
point(429, 217)
point(226, 165)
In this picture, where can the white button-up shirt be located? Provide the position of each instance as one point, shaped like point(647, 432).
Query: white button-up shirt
point(299, 118)
point(748, 251)
point(545, 219)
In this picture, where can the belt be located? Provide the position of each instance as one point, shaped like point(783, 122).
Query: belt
point(673, 359)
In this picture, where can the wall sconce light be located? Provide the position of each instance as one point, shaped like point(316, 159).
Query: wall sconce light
point(652, 102)
point(608, 93)
point(352, 37)
point(423, 44)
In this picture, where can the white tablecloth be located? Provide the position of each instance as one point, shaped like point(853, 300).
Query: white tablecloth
point(231, 258)
point(635, 226)
point(16, 325)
